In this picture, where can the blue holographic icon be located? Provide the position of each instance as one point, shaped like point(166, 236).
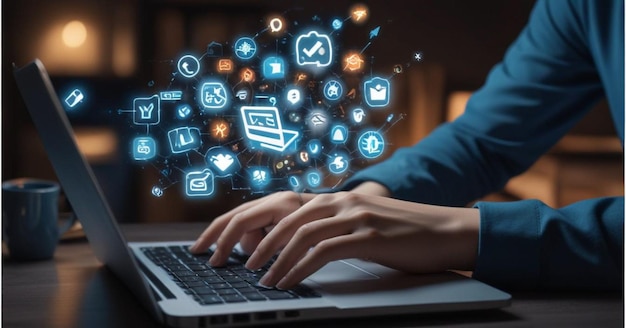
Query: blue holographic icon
point(274, 68)
point(184, 139)
point(223, 161)
point(171, 95)
point(295, 183)
point(376, 92)
point(147, 111)
point(183, 111)
point(74, 97)
point(314, 48)
point(314, 148)
point(333, 90)
point(371, 144)
point(313, 178)
point(264, 128)
point(144, 148)
point(199, 183)
point(259, 176)
point(188, 66)
point(337, 23)
point(245, 48)
point(214, 95)
point(339, 134)
point(338, 163)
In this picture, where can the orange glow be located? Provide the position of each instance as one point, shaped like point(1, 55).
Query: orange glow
point(359, 13)
point(220, 129)
point(247, 75)
point(353, 62)
point(74, 34)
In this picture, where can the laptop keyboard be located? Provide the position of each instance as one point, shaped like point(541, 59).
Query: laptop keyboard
point(209, 285)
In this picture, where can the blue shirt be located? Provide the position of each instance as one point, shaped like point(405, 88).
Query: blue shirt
point(567, 58)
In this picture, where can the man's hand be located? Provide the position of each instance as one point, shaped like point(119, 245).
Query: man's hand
point(402, 235)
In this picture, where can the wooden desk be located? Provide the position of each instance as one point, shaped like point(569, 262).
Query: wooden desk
point(74, 290)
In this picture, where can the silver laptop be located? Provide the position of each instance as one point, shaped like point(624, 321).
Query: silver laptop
point(186, 295)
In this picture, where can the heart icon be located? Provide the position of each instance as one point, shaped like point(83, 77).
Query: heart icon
point(222, 162)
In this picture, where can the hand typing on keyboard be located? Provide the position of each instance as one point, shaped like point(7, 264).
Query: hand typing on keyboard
point(312, 230)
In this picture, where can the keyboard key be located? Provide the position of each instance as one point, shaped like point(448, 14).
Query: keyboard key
point(254, 296)
point(210, 299)
point(203, 290)
point(233, 298)
point(277, 294)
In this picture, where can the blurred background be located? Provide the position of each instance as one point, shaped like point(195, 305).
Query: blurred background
point(114, 48)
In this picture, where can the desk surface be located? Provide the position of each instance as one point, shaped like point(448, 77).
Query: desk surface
point(75, 290)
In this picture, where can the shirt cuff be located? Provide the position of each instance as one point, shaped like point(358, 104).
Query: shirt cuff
point(509, 246)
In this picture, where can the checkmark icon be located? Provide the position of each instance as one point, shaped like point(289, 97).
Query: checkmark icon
point(310, 52)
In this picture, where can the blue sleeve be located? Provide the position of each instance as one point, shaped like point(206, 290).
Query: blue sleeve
point(548, 79)
point(528, 245)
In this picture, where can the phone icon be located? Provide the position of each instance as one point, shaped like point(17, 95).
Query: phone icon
point(188, 66)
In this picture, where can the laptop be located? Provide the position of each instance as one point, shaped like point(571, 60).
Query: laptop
point(183, 291)
point(263, 124)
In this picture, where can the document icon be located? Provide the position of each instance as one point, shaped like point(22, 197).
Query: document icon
point(199, 183)
point(376, 92)
point(184, 139)
point(264, 128)
point(147, 111)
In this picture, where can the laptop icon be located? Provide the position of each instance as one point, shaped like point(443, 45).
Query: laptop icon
point(264, 128)
point(181, 290)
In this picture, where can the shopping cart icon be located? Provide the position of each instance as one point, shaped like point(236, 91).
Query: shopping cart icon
point(263, 128)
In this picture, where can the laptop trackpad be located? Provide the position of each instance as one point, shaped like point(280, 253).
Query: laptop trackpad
point(340, 271)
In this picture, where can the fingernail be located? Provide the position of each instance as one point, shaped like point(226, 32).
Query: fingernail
point(266, 280)
point(252, 264)
point(193, 247)
point(282, 284)
point(214, 260)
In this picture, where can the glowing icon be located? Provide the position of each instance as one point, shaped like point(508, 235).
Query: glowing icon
point(337, 23)
point(276, 25)
point(183, 111)
point(358, 115)
point(377, 91)
point(317, 121)
point(389, 118)
point(245, 48)
point(397, 69)
point(215, 49)
point(223, 161)
point(259, 176)
point(313, 178)
point(74, 98)
point(314, 48)
point(220, 129)
point(273, 68)
point(213, 95)
point(353, 62)
point(338, 163)
point(157, 191)
point(184, 139)
point(242, 94)
point(371, 144)
point(147, 111)
point(301, 77)
point(293, 96)
point(418, 56)
point(144, 148)
point(333, 90)
point(263, 128)
point(225, 65)
point(339, 134)
point(188, 66)
point(247, 75)
point(358, 13)
point(374, 32)
point(171, 95)
point(314, 147)
point(199, 183)
point(294, 182)
point(303, 157)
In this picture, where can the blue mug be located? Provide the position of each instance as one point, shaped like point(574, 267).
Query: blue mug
point(30, 211)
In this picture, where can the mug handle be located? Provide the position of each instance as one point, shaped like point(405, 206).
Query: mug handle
point(70, 218)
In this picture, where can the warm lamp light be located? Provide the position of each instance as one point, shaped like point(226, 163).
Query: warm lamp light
point(74, 34)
